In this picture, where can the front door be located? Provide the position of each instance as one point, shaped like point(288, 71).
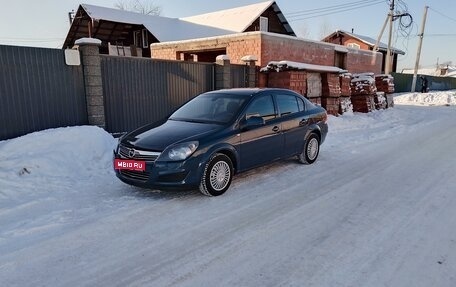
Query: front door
point(263, 144)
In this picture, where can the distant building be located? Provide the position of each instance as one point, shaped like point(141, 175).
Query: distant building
point(436, 71)
point(364, 43)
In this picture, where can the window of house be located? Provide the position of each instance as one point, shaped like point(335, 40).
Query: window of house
point(354, 45)
point(145, 40)
point(264, 22)
point(137, 38)
point(140, 38)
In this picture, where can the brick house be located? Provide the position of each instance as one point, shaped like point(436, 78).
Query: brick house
point(130, 34)
point(259, 29)
point(356, 41)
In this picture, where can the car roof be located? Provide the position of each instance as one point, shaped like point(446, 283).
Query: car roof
point(246, 91)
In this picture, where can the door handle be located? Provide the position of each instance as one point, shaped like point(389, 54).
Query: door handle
point(303, 122)
point(275, 129)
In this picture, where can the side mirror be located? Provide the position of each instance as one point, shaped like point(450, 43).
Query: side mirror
point(251, 123)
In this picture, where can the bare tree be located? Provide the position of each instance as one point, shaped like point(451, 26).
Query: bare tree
point(140, 6)
point(325, 29)
point(304, 31)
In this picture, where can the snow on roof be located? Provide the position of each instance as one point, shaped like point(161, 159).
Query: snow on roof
point(163, 28)
point(283, 65)
point(370, 41)
point(441, 71)
point(235, 19)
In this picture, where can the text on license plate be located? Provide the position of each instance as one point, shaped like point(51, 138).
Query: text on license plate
point(129, 164)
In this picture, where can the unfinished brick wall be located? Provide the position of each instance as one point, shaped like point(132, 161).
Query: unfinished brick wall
point(236, 47)
point(359, 61)
point(294, 49)
point(165, 54)
point(271, 47)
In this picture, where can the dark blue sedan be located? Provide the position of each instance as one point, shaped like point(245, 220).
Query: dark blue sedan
point(218, 134)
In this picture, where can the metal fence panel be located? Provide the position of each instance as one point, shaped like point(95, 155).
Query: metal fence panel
point(38, 91)
point(140, 91)
point(239, 76)
point(403, 83)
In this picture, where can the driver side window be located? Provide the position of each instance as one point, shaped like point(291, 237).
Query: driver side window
point(262, 107)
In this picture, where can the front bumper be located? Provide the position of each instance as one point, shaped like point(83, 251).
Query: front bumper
point(181, 175)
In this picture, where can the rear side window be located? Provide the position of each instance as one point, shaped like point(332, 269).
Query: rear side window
point(301, 104)
point(262, 107)
point(288, 104)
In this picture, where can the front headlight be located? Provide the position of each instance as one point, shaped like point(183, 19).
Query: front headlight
point(179, 152)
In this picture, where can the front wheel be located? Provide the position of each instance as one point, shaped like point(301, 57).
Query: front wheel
point(311, 149)
point(217, 175)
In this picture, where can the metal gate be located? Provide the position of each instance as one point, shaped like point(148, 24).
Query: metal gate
point(138, 91)
point(239, 76)
point(38, 91)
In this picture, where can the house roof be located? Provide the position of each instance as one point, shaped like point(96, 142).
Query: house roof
point(166, 29)
point(367, 40)
point(237, 19)
point(163, 28)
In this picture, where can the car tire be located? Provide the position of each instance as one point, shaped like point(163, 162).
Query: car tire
point(311, 150)
point(217, 175)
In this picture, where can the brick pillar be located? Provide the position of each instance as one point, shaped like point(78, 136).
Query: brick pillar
point(222, 72)
point(251, 74)
point(91, 63)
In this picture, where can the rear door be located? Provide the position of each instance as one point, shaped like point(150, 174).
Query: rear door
point(294, 120)
point(264, 144)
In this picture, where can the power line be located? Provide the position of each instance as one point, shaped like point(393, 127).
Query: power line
point(327, 8)
point(439, 35)
point(338, 11)
point(31, 40)
point(441, 14)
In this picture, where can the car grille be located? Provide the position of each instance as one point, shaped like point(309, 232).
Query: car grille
point(131, 153)
point(136, 175)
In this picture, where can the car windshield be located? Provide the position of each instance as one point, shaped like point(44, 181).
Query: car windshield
point(210, 108)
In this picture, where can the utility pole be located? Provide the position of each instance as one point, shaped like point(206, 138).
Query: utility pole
point(388, 50)
point(418, 52)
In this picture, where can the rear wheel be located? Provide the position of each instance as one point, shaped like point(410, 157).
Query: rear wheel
point(217, 175)
point(311, 149)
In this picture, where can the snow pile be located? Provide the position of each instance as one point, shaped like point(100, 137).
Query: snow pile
point(55, 155)
point(443, 98)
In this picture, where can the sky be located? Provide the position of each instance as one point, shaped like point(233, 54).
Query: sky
point(45, 23)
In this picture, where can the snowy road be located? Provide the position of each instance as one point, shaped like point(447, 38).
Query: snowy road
point(377, 209)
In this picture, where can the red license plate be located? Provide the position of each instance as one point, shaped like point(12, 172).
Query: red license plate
point(129, 164)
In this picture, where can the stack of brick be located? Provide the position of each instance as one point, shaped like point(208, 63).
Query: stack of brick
point(293, 80)
point(330, 92)
point(346, 105)
point(314, 88)
point(345, 93)
point(380, 101)
point(363, 92)
point(385, 83)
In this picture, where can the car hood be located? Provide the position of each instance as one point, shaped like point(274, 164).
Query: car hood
point(159, 137)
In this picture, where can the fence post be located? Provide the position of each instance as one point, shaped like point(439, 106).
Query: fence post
point(222, 72)
point(250, 60)
point(91, 63)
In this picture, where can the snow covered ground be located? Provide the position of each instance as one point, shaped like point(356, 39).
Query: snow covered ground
point(376, 209)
